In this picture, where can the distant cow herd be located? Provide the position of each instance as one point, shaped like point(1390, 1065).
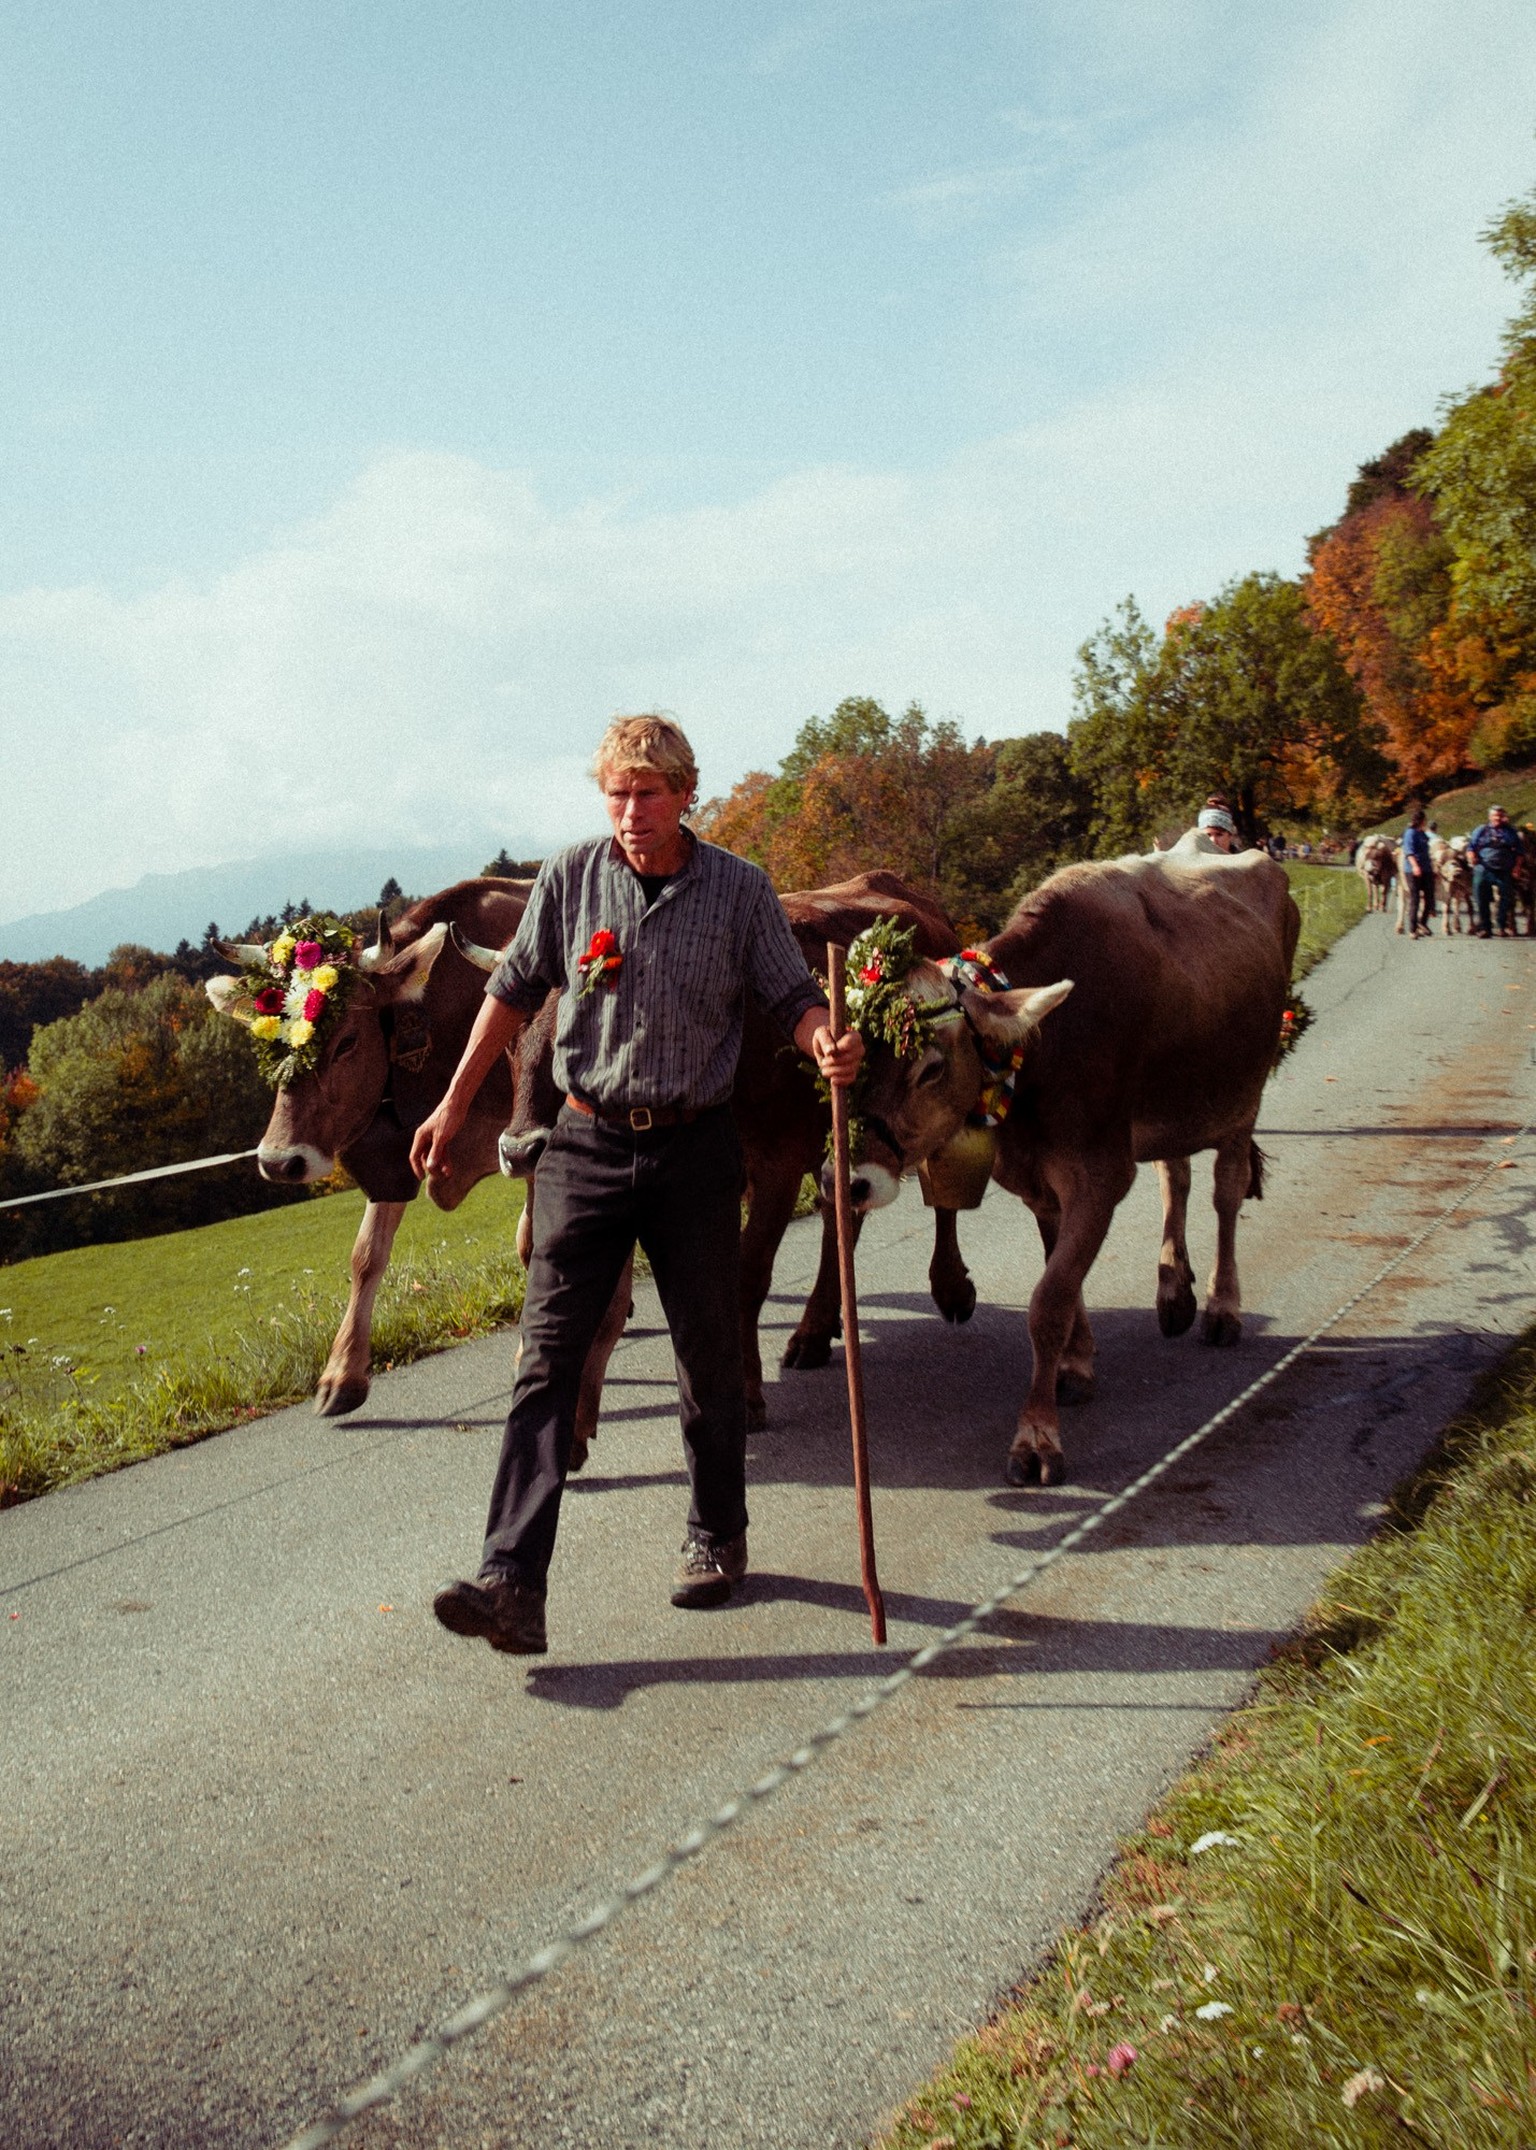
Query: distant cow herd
point(1379, 863)
point(1143, 1005)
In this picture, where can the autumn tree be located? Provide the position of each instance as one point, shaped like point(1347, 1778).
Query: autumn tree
point(1380, 585)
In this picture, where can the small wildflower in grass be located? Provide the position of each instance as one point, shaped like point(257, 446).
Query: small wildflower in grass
point(1213, 2011)
point(1210, 1840)
point(1121, 2059)
point(1360, 2086)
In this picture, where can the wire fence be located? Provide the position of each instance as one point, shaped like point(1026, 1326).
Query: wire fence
point(380, 2089)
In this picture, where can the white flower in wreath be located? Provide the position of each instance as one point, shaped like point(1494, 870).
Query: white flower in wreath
point(293, 1004)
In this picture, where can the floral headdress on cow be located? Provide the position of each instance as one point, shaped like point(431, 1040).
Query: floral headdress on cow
point(297, 994)
point(880, 1003)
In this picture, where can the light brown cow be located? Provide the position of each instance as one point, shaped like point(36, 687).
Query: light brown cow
point(1148, 994)
point(1376, 864)
point(382, 1070)
point(1453, 883)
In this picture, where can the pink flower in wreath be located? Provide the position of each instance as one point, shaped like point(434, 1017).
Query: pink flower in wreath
point(314, 1001)
point(307, 954)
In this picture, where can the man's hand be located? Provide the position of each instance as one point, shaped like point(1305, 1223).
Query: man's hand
point(839, 1059)
point(431, 1141)
point(496, 1026)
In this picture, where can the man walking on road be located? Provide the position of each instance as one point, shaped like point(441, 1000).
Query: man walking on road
point(1493, 849)
point(651, 938)
point(1419, 871)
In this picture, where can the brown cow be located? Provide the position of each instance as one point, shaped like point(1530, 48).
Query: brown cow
point(783, 1126)
point(382, 1070)
point(1169, 977)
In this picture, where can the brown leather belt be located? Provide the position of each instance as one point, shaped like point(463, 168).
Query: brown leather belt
point(640, 1119)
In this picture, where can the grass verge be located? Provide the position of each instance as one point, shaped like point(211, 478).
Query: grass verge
point(110, 1354)
point(1327, 1933)
point(1330, 901)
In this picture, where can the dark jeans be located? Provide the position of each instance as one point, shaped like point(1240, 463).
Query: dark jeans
point(1421, 900)
point(676, 1190)
point(1484, 883)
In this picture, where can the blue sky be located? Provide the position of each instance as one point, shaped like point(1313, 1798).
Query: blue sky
point(389, 394)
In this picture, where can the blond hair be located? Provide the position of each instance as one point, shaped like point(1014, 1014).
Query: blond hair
point(650, 742)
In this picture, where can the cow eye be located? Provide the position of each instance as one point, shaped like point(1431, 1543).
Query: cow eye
point(345, 1044)
point(930, 1073)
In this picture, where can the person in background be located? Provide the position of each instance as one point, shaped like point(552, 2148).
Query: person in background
point(1493, 847)
point(1419, 875)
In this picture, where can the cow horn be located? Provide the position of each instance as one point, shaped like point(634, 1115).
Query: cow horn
point(472, 952)
point(250, 955)
point(371, 958)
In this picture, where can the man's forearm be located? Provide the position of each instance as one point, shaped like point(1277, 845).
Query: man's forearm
point(496, 1026)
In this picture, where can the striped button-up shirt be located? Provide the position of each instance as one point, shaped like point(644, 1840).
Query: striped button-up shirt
point(667, 1030)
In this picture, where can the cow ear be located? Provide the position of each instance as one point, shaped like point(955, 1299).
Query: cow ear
point(230, 997)
point(404, 977)
point(1009, 1018)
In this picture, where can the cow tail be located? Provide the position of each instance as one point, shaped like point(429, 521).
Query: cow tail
point(1256, 1163)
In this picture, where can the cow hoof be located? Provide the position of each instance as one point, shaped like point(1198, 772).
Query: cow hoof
point(1177, 1314)
point(807, 1350)
point(1022, 1470)
point(1053, 1468)
point(334, 1399)
point(961, 1306)
point(1220, 1328)
point(757, 1414)
point(579, 1454)
point(1073, 1388)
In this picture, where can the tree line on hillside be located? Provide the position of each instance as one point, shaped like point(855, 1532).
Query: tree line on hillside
point(1401, 662)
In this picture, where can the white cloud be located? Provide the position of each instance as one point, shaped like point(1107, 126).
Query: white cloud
point(1214, 329)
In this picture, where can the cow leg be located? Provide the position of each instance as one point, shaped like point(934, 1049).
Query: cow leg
point(948, 1278)
point(811, 1344)
point(1075, 1371)
point(1056, 1320)
point(1222, 1322)
point(773, 1188)
point(344, 1383)
point(1175, 1273)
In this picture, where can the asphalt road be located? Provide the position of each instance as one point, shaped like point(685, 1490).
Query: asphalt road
point(262, 1821)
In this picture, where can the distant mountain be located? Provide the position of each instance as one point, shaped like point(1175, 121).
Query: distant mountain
point(165, 908)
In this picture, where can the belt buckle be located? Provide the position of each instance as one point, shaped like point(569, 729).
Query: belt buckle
point(640, 1119)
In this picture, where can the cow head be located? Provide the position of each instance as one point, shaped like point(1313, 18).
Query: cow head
point(321, 1112)
point(909, 1108)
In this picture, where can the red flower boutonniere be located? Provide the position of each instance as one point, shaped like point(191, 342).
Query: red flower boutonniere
point(600, 964)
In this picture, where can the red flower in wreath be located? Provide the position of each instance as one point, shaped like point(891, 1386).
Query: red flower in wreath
point(314, 1001)
point(872, 973)
point(600, 965)
point(269, 1001)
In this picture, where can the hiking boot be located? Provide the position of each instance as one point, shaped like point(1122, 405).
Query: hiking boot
point(709, 1569)
point(508, 1615)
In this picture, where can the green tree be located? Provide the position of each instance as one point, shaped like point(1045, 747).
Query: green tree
point(1117, 740)
point(1481, 476)
point(1036, 815)
point(1252, 702)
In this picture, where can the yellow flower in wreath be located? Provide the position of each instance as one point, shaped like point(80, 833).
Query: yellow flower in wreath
point(324, 978)
point(282, 948)
point(300, 1033)
point(266, 1026)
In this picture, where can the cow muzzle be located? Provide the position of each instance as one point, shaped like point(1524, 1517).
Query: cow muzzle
point(519, 1153)
point(869, 1187)
point(296, 1166)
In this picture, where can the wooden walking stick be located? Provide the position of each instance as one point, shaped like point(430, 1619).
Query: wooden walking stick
point(843, 1209)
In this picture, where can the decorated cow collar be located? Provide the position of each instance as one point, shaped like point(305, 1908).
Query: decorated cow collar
point(1000, 1064)
point(297, 994)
